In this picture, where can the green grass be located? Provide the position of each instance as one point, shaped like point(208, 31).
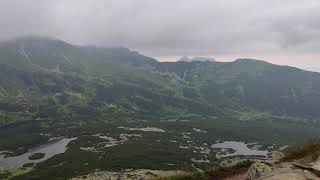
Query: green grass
point(222, 172)
point(216, 173)
point(8, 174)
point(310, 149)
point(186, 176)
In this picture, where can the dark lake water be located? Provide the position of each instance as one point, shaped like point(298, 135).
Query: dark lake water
point(50, 149)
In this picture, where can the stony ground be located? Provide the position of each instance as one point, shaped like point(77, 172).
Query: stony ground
point(282, 171)
point(128, 174)
point(299, 169)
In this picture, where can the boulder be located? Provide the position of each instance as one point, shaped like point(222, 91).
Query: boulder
point(258, 170)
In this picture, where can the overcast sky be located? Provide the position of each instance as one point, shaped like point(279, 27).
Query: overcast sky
point(279, 31)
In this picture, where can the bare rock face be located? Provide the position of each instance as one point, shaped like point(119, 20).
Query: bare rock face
point(316, 165)
point(258, 170)
point(287, 176)
point(285, 171)
point(297, 174)
point(309, 175)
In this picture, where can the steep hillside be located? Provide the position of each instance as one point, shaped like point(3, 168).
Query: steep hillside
point(51, 74)
point(247, 83)
point(35, 72)
point(38, 73)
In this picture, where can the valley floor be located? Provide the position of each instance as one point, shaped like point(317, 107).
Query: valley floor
point(163, 145)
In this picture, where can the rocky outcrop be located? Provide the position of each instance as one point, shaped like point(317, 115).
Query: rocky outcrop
point(258, 170)
point(285, 171)
point(286, 176)
point(316, 165)
point(291, 174)
point(129, 174)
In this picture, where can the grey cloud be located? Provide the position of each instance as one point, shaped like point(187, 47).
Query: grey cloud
point(170, 27)
point(298, 28)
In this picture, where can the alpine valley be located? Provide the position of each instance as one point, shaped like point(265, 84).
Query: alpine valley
point(67, 110)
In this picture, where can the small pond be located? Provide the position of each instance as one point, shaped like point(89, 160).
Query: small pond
point(50, 149)
point(239, 149)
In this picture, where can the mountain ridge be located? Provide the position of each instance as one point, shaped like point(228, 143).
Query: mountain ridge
point(212, 83)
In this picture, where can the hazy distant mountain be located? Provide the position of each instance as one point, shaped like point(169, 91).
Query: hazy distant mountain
point(201, 59)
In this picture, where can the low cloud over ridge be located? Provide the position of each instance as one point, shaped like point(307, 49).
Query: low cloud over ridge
point(285, 31)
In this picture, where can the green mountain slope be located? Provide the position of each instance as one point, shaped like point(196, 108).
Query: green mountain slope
point(55, 78)
point(254, 84)
point(36, 68)
point(161, 115)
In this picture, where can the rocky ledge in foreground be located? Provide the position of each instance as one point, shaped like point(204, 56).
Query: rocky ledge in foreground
point(128, 174)
point(283, 171)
